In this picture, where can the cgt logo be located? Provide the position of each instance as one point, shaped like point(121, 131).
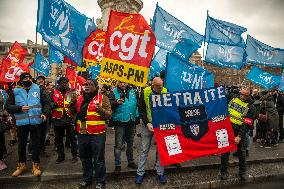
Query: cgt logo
point(128, 42)
point(13, 72)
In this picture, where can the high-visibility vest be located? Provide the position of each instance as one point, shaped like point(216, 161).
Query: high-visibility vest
point(31, 99)
point(94, 123)
point(238, 110)
point(147, 92)
point(62, 103)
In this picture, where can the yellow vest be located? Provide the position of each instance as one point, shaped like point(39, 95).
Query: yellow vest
point(237, 109)
point(147, 92)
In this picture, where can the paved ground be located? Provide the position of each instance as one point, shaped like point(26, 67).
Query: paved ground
point(199, 172)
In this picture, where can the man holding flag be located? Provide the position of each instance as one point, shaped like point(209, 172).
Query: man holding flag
point(241, 116)
point(29, 106)
point(147, 131)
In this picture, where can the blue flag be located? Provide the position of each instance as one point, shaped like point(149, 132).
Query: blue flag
point(95, 71)
point(225, 56)
point(41, 65)
point(173, 35)
point(260, 53)
point(225, 33)
point(281, 86)
point(181, 75)
point(55, 56)
point(262, 78)
point(158, 63)
point(63, 27)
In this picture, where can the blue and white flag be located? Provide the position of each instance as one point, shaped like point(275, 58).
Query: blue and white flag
point(63, 27)
point(262, 54)
point(55, 56)
point(173, 35)
point(158, 63)
point(263, 79)
point(181, 75)
point(41, 65)
point(95, 71)
point(281, 86)
point(222, 32)
point(225, 56)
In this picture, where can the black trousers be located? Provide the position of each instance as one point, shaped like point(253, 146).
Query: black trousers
point(43, 131)
point(281, 134)
point(241, 155)
point(59, 132)
point(2, 145)
point(23, 134)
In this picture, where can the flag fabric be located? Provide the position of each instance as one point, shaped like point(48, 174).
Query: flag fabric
point(12, 65)
point(225, 56)
point(95, 71)
point(129, 48)
point(158, 63)
point(41, 65)
point(173, 35)
point(259, 53)
point(224, 33)
point(69, 61)
point(71, 75)
point(94, 48)
point(281, 86)
point(263, 79)
point(79, 84)
point(63, 27)
point(181, 75)
point(191, 124)
point(55, 56)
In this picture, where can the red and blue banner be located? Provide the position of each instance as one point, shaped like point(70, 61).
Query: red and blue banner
point(191, 124)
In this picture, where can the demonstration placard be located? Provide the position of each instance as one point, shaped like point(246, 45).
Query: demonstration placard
point(129, 48)
point(191, 124)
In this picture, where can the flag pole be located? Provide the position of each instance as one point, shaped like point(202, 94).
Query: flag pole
point(35, 55)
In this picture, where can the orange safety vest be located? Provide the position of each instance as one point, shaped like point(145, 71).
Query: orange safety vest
point(60, 100)
point(94, 123)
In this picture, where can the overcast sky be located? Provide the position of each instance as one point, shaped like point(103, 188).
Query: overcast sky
point(264, 19)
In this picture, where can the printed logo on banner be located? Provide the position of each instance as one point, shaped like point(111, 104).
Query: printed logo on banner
point(59, 21)
point(194, 121)
point(167, 127)
point(129, 48)
point(194, 129)
point(173, 145)
point(13, 73)
point(94, 48)
point(222, 138)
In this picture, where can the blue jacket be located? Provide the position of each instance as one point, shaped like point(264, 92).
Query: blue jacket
point(31, 99)
point(128, 110)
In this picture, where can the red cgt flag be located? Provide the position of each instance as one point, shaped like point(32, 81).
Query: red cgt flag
point(93, 50)
point(129, 48)
point(12, 65)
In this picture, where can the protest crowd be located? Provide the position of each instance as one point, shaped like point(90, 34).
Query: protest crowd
point(126, 85)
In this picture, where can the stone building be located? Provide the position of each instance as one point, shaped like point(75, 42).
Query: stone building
point(30, 46)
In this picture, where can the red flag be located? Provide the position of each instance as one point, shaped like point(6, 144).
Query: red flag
point(71, 75)
point(12, 65)
point(79, 84)
point(69, 61)
point(129, 48)
point(94, 48)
